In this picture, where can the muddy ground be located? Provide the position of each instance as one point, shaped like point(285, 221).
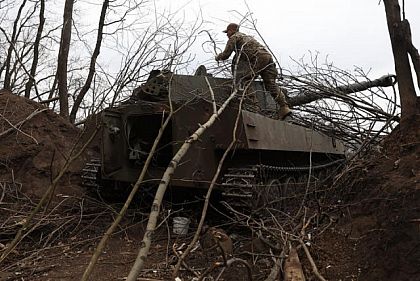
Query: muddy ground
point(367, 226)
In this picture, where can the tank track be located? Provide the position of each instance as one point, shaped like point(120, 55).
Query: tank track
point(90, 174)
point(241, 185)
point(108, 189)
point(238, 185)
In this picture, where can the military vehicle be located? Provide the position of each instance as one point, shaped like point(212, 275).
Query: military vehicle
point(269, 156)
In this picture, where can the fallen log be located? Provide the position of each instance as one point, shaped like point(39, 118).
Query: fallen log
point(293, 268)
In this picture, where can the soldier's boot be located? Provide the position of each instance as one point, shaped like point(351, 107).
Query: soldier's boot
point(284, 107)
point(284, 111)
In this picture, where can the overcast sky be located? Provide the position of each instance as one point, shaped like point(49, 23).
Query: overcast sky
point(350, 32)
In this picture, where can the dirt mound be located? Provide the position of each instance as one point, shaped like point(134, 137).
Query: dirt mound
point(378, 237)
point(392, 187)
point(34, 145)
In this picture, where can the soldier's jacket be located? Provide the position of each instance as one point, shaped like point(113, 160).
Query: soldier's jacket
point(245, 45)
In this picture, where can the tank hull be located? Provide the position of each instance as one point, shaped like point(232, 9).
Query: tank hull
point(129, 130)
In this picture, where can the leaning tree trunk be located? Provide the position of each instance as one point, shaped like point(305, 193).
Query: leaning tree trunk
point(63, 55)
point(402, 48)
point(151, 224)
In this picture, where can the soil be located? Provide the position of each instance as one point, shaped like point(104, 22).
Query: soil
point(372, 231)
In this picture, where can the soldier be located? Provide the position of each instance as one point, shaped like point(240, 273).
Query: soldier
point(252, 59)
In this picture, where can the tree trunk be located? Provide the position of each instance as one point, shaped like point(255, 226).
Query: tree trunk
point(13, 39)
point(95, 55)
point(63, 55)
point(293, 268)
point(399, 32)
point(31, 80)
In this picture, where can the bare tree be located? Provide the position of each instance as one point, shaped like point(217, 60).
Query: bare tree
point(95, 55)
point(13, 39)
point(63, 55)
point(403, 49)
point(35, 60)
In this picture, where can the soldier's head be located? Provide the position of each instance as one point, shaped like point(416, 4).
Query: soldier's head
point(231, 29)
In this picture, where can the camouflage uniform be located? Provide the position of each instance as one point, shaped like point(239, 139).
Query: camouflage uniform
point(254, 60)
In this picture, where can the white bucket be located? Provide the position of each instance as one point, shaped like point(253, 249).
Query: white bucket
point(180, 225)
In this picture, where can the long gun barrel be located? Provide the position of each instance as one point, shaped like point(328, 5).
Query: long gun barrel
point(310, 96)
point(384, 81)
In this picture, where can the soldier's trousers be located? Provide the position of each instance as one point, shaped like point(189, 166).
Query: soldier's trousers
point(248, 69)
